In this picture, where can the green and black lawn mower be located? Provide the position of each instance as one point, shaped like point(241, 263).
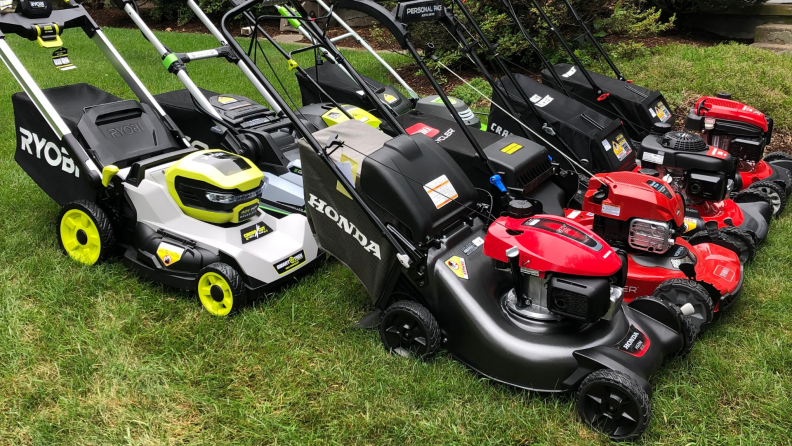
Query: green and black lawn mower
point(130, 184)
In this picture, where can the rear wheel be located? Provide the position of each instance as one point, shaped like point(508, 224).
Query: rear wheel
point(220, 289)
point(775, 192)
point(777, 156)
point(734, 239)
point(785, 162)
point(685, 291)
point(84, 232)
point(613, 403)
point(408, 329)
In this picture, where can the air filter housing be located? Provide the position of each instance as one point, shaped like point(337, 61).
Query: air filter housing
point(683, 141)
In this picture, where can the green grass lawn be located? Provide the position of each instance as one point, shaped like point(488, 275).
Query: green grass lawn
point(94, 355)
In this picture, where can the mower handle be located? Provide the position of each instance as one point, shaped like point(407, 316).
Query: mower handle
point(381, 15)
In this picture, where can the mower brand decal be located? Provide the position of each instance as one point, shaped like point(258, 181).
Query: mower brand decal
point(572, 215)
point(255, 232)
point(445, 136)
point(724, 273)
point(422, 128)
point(60, 58)
point(656, 158)
point(248, 212)
point(473, 246)
point(751, 110)
point(439, 100)
point(458, 266)
point(717, 153)
point(344, 224)
point(499, 130)
point(570, 73)
point(635, 342)
point(680, 251)
point(611, 209)
point(389, 98)
point(205, 54)
point(441, 191)
point(124, 130)
point(511, 148)
point(54, 155)
point(288, 264)
point(607, 254)
point(690, 224)
point(169, 254)
point(226, 100)
point(540, 101)
point(659, 187)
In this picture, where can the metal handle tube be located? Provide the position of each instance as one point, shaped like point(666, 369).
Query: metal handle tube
point(302, 129)
point(595, 41)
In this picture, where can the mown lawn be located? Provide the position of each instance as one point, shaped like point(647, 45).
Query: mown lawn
point(94, 355)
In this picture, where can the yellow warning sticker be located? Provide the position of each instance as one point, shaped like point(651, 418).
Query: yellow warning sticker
point(690, 224)
point(389, 98)
point(169, 254)
point(511, 148)
point(226, 100)
point(458, 266)
point(441, 191)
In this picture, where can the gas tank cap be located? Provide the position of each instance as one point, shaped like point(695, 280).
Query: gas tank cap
point(520, 209)
point(724, 95)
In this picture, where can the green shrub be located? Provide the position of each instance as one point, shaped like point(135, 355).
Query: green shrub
point(469, 95)
point(703, 5)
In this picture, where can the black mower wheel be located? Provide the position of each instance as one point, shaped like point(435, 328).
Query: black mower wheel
point(613, 403)
point(689, 335)
point(85, 233)
point(220, 289)
point(752, 196)
point(735, 239)
point(777, 156)
point(408, 329)
point(775, 192)
point(686, 291)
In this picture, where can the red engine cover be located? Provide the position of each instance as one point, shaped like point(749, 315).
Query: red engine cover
point(635, 195)
point(731, 110)
point(551, 244)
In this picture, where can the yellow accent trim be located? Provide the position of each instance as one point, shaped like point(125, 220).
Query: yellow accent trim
point(57, 43)
point(205, 284)
point(335, 116)
point(186, 167)
point(72, 222)
point(108, 173)
point(511, 148)
point(292, 64)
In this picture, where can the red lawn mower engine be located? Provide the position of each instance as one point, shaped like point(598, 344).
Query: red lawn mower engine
point(564, 271)
point(744, 132)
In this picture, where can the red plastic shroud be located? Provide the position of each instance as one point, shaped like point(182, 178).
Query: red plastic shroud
point(632, 195)
point(732, 110)
point(760, 171)
point(556, 245)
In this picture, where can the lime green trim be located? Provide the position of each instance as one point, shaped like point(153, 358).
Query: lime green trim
point(108, 173)
point(286, 13)
point(483, 127)
point(278, 211)
point(205, 284)
point(169, 59)
point(72, 222)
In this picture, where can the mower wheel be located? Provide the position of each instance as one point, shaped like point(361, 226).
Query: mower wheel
point(84, 232)
point(408, 329)
point(689, 335)
point(753, 196)
point(613, 403)
point(671, 316)
point(732, 238)
point(777, 156)
point(220, 289)
point(686, 291)
point(785, 163)
point(776, 193)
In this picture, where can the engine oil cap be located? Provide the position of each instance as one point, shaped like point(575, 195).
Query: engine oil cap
point(519, 209)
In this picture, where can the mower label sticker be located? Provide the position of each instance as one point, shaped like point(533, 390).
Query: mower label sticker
point(511, 148)
point(634, 342)
point(344, 224)
point(690, 224)
point(169, 254)
point(205, 54)
point(248, 212)
point(608, 253)
point(570, 73)
point(422, 128)
point(606, 144)
point(290, 263)
point(441, 191)
point(226, 100)
point(656, 158)
point(389, 98)
point(60, 58)
point(54, 155)
point(255, 232)
point(660, 188)
point(541, 102)
point(724, 273)
point(652, 112)
point(6, 4)
point(439, 100)
point(717, 153)
point(661, 111)
point(621, 148)
point(457, 265)
point(572, 215)
point(611, 209)
point(471, 247)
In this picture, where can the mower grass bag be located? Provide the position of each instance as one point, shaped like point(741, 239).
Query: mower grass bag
point(639, 107)
point(598, 142)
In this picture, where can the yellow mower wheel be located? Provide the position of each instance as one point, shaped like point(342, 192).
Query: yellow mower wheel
point(84, 232)
point(220, 289)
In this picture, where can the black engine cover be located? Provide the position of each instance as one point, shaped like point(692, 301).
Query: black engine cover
point(582, 298)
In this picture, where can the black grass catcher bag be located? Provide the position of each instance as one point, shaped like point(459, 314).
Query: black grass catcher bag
point(597, 142)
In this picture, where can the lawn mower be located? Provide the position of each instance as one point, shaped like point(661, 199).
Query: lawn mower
point(129, 183)
point(530, 300)
point(744, 132)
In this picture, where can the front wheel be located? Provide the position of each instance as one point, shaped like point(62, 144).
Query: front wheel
point(613, 403)
point(84, 232)
point(776, 193)
point(220, 289)
point(732, 238)
point(408, 329)
point(681, 292)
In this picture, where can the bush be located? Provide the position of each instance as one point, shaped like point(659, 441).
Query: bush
point(469, 96)
point(675, 6)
